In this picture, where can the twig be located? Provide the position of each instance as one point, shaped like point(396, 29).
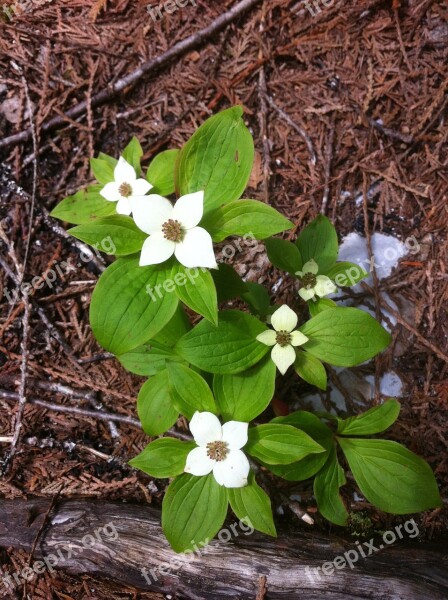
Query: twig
point(328, 159)
point(39, 533)
point(34, 185)
point(262, 588)
point(131, 79)
point(435, 349)
point(263, 92)
point(96, 358)
point(294, 125)
point(21, 396)
point(95, 414)
point(85, 412)
point(365, 189)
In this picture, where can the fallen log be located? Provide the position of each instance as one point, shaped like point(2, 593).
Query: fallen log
point(125, 543)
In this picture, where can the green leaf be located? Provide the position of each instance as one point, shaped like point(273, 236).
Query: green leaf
point(177, 326)
point(310, 465)
point(155, 407)
point(375, 420)
point(319, 305)
point(276, 444)
point(251, 503)
point(344, 337)
point(242, 217)
point(102, 170)
point(133, 154)
point(189, 391)
point(122, 313)
point(258, 299)
point(311, 369)
point(284, 255)
point(84, 206)
point(244, 396)
point(390, 476)
point(109, 159)
point(165, 457)
point(193, 511)
point(231, 347)
point(326, 490)
point(218, 159)
point(346, 274)
point(160, 172)
point(148, 359)
point(319, 241)
point(196, 288)
point(117, 235)
point(228, 283)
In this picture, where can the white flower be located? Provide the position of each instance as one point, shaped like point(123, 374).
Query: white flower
point(125, 185)
point(219, 450)
point(284, 321)
point(173, 230)
point(314, 284)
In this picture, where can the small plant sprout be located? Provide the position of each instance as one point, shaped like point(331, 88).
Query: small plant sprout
point(173, 230)
point(313, 284)
point(283, 338)
point(218, 450)
point(124, 186)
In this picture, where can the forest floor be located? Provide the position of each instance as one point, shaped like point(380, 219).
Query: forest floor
point(348, 111)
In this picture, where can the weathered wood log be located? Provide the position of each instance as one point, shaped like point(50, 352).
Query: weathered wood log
point(117, 541)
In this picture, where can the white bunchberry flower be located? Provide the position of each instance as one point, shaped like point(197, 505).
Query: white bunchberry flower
point(124, 186)
point(283, 338)
point(218, 450)
point(173, 230)
point(312, 283)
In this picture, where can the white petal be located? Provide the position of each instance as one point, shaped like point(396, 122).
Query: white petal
point(198, 463)
point(124, 172)
point(150, 212)
point(306, 294)
point(284, 319)
point(205, 428)
point(311, 267)
point(196, 249)
point(156, 249)
point(140, 187)
point(268, 337)
point(283, 356)
point(110, 191)
point(232, 472)
point(324, 286)
point(189, 209)
point(124, 206)
point(235, 434)
point(297, 338)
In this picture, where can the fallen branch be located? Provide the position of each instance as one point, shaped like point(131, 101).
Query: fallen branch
point(131, 79)
point(84, 412)
point(240, 567)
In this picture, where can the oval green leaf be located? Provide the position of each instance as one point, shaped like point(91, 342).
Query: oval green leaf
point(193, 511)
point(123, 316)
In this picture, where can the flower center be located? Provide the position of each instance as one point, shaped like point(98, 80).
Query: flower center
point(283, 338)
point(309, 280)
point(217, 450)
point(125, 190)
point(173, 231)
